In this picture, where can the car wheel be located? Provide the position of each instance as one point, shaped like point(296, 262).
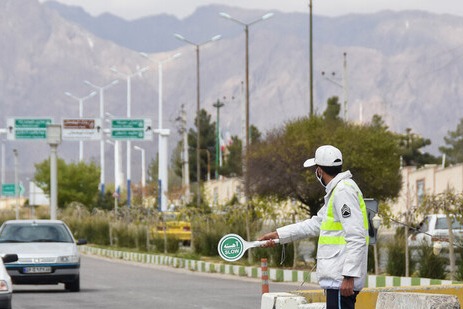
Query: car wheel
point(73, 286)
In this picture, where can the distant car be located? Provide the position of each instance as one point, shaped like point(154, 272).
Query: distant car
point(175, 225)
point(47, 252)
point(6, 287)
point(434, 228)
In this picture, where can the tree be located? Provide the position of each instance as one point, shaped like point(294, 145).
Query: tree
point(450, 204)
point(233, 161)
point(77, 182)
point(332, 110)
point(370, 152)
point(411, 144)
point(207, 147)
point(454, 142)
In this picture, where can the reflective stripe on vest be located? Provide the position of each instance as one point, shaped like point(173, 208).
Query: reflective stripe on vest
point(331, 232)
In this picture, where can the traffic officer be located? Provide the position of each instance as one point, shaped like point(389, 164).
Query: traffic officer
point(342, 227)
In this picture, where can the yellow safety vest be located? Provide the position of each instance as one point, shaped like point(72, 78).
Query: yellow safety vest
point(331, 232)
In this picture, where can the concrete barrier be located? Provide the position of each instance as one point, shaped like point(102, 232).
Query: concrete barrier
point(368, 297)
point(281, 301)
point(313, 306)
point(394, 300)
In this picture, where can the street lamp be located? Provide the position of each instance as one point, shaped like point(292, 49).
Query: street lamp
point(128, 77)
point(53, 139)
point(81, 101)
point(102, 162)
point(247, 142)
point(198, 170)
point(163, 174)
point(376, 220)
point(143, 178)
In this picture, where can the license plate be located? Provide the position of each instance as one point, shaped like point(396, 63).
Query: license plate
point(37, 270)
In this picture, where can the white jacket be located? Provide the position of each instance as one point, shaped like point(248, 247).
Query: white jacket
point(348, 260)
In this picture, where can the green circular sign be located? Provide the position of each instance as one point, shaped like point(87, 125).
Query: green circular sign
point(231, 247)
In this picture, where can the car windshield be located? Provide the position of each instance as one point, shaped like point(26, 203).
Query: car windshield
point(441, 224)
point(33, 232)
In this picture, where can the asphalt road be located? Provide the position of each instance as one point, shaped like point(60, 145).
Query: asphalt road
point(116, 284)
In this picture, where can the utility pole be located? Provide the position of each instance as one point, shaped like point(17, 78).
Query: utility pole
point(311, 58)
point(217, 105)
point(344, 86)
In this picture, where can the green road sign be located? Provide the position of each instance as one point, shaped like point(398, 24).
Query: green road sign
point(27, 128)
point(127, 129)
point(26, 123)
point(30, 134)
point(8, 189)
point(127, 123)
point(128, 134)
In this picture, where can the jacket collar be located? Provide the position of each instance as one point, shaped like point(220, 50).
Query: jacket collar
point(339, 177)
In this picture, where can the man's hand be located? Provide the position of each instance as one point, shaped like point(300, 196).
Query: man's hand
point(347, 287)
point(270, 237)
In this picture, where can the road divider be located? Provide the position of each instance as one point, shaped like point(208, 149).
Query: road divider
point(274, 274)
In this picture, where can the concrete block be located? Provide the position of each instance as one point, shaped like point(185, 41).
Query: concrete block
point(313, 306)
point(391, 300)
point(281, 301)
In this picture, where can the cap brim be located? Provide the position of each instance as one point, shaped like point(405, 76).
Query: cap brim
point(309, 162)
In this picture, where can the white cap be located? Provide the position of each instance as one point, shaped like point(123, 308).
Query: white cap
point(325, 155)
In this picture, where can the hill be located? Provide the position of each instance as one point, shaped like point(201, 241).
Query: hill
point(405, 66)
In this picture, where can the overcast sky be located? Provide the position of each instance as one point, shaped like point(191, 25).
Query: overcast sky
point(132, 9)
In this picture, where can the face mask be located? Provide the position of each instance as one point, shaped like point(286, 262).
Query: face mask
point(319, 177)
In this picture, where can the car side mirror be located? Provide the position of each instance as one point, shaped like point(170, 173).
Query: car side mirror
point(10, 258)
point(82, 242)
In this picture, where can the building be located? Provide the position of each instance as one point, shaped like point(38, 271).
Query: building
point(431, 179)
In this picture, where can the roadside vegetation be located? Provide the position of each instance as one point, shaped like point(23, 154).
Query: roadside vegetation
point(374, 155)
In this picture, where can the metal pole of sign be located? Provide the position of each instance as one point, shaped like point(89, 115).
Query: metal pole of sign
point(53, 139)
point(16, 182)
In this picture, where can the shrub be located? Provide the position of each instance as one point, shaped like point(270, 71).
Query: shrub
point(396, 255)
point(430, 265)
point(172, 244)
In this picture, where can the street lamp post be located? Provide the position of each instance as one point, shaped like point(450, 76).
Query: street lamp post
point(247, 97)
point(53, 139)
point(128, 77)
point(143, 178)
point(376, 224)
point(198, 169)
point(101, 89)
point(163, 174)
point(81, 101)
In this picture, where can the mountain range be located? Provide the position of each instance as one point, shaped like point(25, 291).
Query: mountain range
point(403, 65)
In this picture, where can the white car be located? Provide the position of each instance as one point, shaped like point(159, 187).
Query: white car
point(6, 286)
point(47, 252)
point(434, 228)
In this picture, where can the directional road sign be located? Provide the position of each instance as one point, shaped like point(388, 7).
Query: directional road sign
point(131, 129)
point(8, 189)
point(27, 128)
point(78, 129)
